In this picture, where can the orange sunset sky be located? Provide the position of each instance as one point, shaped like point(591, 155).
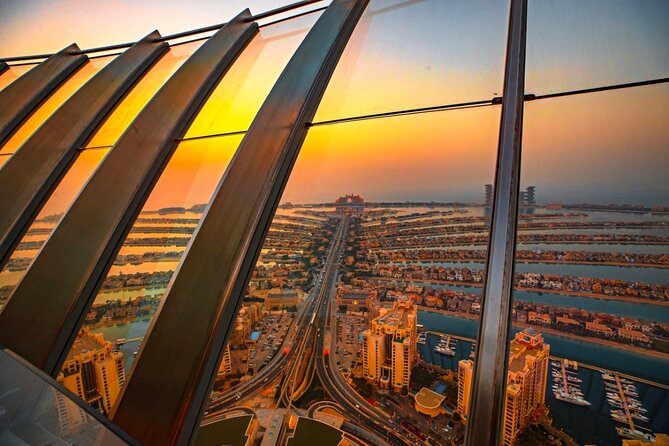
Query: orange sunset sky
point(603, 147)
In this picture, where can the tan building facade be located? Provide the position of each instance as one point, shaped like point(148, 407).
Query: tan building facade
point(93, 370)
point(526, 383)
point(354, 298)
point(226, 363)
point(281, 298)
point(465, 374)
point(389, 346)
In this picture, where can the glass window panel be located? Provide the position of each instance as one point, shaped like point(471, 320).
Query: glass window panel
point(133, 103)
point(288, 14)
point(153, 248)
point(133, 288)
point(591, 265)
point(13, 73)
point(47, 220)
point(235, 101)
point(50, 105)
point(35, 411)
point(576, 44)
point(411, 54)
point(410, 191)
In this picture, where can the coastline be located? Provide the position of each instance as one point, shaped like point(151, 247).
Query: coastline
point(555, 332)
point(581, 364)
point(554, 262)
point(659, 303)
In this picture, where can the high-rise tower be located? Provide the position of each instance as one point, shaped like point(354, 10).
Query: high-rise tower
point(93, 370)
point(488, 194)
point(389, 346)
point(526, 383)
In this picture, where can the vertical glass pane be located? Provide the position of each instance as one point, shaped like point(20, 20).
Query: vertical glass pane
point(411, 54)
point(51, 104)
point(132, 290)
point(133, 103)
point(47, 220)
point(13, 73)
point(591, 267)
point(575, 44)
point(136, 282)
point(235, 101)
point(371, 269)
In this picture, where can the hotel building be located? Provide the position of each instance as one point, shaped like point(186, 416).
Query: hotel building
point(389, 346)
point(93, 370)
point(526, 383)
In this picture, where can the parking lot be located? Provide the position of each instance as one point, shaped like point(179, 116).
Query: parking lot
point(349, 348)
point(271, 329)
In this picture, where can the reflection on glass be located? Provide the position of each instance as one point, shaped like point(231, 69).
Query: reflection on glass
point(50, 105)
point(237, 98)
point(418, 53)
point(47, 220)
point(575, 44)
point(13, 73)
point(592, 268)
point(374, 259)
point(133, 288)
point(35, 411)
point(133, 103)
point(4, 157)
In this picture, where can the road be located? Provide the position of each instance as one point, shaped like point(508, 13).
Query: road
point(283, 363)
point(355, 406)
point(316, 317)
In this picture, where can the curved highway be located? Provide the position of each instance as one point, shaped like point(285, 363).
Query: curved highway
point(316, 316)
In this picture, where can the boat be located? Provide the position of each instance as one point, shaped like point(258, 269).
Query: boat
point(638, 416)
point(572, 399)
point(634, 434)
point(444, 350)
point(619, 418)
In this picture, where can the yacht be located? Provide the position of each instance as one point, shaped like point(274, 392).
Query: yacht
point(444, 349)
point(635, 434)
point(573, 399)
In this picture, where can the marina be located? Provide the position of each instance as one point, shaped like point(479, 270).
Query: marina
point(566, 382)
point(625, 406)
point(588, 424)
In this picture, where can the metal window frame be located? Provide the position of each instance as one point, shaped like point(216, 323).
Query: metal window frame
point(219, 260)
point(41, 320)
point(30, 176)
point(486, 413)
point(23, 95)
point(119, 46)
